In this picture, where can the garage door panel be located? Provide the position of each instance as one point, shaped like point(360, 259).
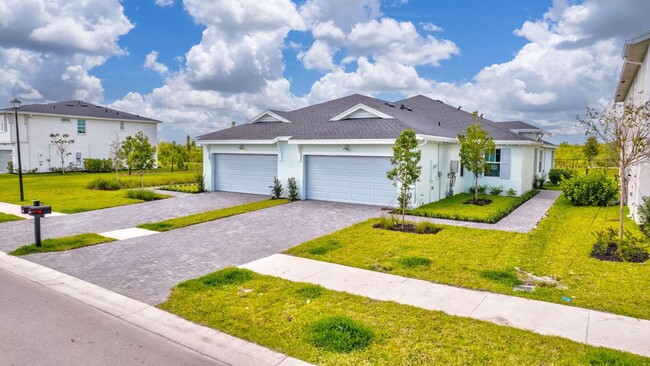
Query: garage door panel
point(5, 157)
point(358, 179)
point(244, 173)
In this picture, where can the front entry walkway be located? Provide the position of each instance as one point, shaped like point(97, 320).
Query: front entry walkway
point(578, 324)
point(522, 220)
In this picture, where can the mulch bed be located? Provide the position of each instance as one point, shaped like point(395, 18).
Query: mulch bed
point(479, 202)
point(611, 255)
point(409, 228)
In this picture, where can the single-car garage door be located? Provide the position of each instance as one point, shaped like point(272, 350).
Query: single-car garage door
point(244, 173)
point(354, 179)
point(5, 157)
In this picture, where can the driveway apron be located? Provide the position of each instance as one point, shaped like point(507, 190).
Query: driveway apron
point(145, 268)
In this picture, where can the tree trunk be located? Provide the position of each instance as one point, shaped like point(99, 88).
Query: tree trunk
point(172, 165)
point(475, 188)
point(141, 181)
point(622, 199)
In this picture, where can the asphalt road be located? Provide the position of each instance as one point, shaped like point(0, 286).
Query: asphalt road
point(41, 327)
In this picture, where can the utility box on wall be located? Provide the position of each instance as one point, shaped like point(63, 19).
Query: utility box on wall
point(453, 166)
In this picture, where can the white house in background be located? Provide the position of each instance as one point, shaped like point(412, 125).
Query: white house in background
point(90, 126)
point(634, 87)
point(340, 151)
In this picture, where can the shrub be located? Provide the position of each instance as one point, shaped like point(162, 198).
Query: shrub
point(142, 194)
point(511, 192)
point(481, 189)
point(426, 227)
point(590, 190)
point(539, 181)
point(10, 167)
point(293, 189)
point(103, 184)
point(276, 189)
point(629, 249)
point(555, 176)
point(339, 334)
point(199, 180)
point(644, 215)
point(98, 165)
point(387, 222)
point(496, 191)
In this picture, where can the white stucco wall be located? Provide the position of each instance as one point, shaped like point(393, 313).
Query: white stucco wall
point(38, 152)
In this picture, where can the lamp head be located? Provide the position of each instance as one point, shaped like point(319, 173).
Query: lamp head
point(16, 103)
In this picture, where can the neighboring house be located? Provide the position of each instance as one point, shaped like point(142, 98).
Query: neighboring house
point(340, 151)
point(90, 126)
point(634, 88)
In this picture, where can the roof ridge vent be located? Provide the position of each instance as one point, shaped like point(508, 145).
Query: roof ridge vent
point(460, 107)
point(405, 107)
point(392, 105)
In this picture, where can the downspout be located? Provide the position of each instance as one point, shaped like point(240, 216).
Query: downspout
point(439, 175)
point(415, 189)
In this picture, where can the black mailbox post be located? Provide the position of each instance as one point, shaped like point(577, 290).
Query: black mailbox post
point(37, 211)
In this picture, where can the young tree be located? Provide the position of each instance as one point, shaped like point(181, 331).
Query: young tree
point(474, 146)
point(406, 159)
point(127, 149)
point(142, 156)
point(591, 150)
point(116, 153)
point(61, 143)
point(625, 129)
point(171, 154)
point(193, 153)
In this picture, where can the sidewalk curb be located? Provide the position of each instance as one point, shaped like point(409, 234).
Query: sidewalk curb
point(209, 342)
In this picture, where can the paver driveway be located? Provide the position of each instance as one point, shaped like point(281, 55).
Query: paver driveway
point(145, 268)
point(16, 233)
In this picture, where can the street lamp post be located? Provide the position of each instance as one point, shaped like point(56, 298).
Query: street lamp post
point(16, 104)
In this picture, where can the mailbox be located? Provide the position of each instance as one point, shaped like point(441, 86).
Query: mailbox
point(40, 210)
point(37, 211)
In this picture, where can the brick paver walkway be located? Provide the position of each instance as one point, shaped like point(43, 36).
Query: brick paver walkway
point(145, 268)
point(16, 233)
point(521, 220)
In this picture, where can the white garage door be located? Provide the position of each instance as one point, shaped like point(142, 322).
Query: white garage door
point(5, 157)
point(354, 179)
point(245, 173)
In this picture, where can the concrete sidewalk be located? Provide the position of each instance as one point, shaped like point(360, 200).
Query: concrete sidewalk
point(209, 342)
point(582, 325)
point(11, 209)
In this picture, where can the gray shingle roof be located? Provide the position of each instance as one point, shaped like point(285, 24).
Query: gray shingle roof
point(426, 116)
point(518, 125)
point(78, 108)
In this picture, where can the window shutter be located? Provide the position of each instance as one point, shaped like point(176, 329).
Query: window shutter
point(505, 164)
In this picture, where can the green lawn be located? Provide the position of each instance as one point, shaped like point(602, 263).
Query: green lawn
point(185, 188)
point(281, 315)
point(61, 244)
point(455, 208)
point(486, 259)
point(210, 215)
point(8, 217)
point(67, 193)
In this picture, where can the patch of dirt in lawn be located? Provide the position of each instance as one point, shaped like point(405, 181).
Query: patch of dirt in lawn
point(479, 202)
point(409, 228)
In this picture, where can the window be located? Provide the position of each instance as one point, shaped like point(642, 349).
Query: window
point(494, 160)
point(3, 124)
point(65, 119)
point(541, 157)
point(81, 126)
point(121, 126)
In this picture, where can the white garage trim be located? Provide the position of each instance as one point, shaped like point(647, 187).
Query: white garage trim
point(244, 173)
point(351, 179)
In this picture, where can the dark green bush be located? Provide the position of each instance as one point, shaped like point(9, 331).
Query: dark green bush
point(293, 189)
point(103, 184)
point(10, 167)
point(481, 189)
point(539, 181)
point(339, 334)
point(644, 215)
point(98, 165)
point(276, 189)
point(595, 189)
point(199, 180)
point(555, 176)
point(496, 191)
point(629, 249)
point(142, 194)
point(511, 192)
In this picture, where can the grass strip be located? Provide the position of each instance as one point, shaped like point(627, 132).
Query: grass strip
point(560, 247)
point(61, 244)
point(184, 221)
point(455, 208)
point(327, 327)
point(9, 217)
point(185, 188)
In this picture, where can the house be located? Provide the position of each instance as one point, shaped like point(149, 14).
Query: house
point(90, 126)
point(634, 88)
point(340, 151)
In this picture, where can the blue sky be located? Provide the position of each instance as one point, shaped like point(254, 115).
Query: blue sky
point(198, 65)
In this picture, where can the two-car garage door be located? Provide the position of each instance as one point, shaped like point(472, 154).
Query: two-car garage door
point(245, 173)
point(354, 179)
